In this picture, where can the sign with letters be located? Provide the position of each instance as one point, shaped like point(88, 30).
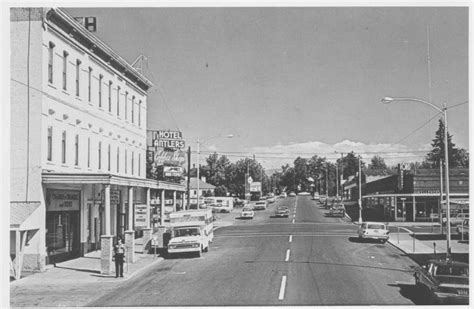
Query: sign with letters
point(141, 215)
point(63, 200)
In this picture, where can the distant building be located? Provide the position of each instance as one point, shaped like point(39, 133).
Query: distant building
point(412, 195)
point(204, 188)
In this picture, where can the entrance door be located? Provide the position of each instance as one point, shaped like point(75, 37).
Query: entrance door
point(63, 235)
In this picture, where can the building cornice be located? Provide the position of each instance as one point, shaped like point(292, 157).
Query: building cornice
point(91, 42)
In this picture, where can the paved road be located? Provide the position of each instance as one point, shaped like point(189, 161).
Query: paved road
point(306, 259)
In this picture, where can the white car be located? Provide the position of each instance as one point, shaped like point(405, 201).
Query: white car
point(373, 230)
point(303, 193)
point(247, 212)
point(260, 205)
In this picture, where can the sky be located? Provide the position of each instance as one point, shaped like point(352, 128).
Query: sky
point(289, 81)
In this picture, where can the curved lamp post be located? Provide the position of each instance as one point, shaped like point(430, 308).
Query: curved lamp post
point(443, 110)
point(197, 173)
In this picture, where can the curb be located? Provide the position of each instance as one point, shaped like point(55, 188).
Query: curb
point(140, 270)
point(403, 251)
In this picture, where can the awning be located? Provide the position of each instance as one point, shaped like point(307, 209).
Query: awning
point(88, 178)
point(20, 212)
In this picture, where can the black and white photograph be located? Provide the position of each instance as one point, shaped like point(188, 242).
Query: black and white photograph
point(194, 154)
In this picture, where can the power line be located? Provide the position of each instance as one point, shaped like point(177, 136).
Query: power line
point(466, 102)
point(419, 128)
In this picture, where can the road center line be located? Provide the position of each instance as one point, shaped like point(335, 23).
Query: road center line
point(293, 221)
point(287, 258)
point(291, 238)
point(281, 296)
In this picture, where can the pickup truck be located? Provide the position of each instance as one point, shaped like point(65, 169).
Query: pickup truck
point(447, 282)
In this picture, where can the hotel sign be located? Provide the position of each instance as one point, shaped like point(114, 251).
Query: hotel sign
point(168, 139)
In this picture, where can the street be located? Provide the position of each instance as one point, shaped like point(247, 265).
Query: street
point(272, 261)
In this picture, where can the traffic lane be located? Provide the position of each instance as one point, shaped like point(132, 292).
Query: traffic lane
point(310, 210)
point(236, 271)
point(337, 270)
point(285, 227)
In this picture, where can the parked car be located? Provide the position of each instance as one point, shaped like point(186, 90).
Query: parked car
point(322, 199)
point(446, 281)
point(458, 218)
point(260, 205)
point(463, 229)
point(271, 199)
point(283, 194)
point(292, 193)
point(247, 213)
point(337, 211)
point(373, 230)
point(282, 211)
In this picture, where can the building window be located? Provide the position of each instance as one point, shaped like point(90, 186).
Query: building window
point(118, 101)
point(133, 161)
point(108, 158)
point(76, 148)
point(125, 161)
point(110, 96)
point(50, 143)
point(101, 77)
point(118, 159)
point(63, 148)
point(133, 108)
point(89, 85)
point(126, 104)
point(99, 150)
point(140, 114)
point(78, 75)
point(50, 62)
point(88, 152)
point(65, 54)
point(139, 163)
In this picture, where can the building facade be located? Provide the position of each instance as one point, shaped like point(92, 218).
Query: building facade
point(412, 195)
point(78, 139)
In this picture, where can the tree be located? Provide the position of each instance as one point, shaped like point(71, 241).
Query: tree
point(350, 163)
point(377, 166)
point(456, 157)
point(220, 191)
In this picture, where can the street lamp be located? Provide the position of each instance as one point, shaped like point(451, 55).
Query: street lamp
point(360, 194)
point(443, 110)
point(197, 173)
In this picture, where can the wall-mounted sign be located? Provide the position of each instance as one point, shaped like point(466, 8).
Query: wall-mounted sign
point(173, 171)
point(62, 200)
point(141, 215)
point(168, 139)
point(256, 187)
point(114, 197)
point(167, 157)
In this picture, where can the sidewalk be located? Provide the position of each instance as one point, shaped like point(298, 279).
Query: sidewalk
point(421, 246)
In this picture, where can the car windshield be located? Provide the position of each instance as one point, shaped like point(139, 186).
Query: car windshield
point(260, 203)
point(446, 270)
point(282, 208)
point(186, 232)
point(247, 209)
point(376, 226)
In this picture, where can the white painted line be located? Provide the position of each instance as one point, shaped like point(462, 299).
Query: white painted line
point(281, 296)
point(291, 238)
point(293, 221)
point(287, 258)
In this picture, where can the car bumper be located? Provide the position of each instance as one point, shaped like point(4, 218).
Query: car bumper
point(451, 298)
point(282, 214)
point(183, 250)
point(246, 216)
point(369, 236)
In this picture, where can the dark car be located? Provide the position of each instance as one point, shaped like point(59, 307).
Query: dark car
point(446, 281)
point(282, 211)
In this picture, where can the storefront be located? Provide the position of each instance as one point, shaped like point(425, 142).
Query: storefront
point(63, 225)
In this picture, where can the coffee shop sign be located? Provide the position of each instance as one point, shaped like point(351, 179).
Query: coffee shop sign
point(168, 139)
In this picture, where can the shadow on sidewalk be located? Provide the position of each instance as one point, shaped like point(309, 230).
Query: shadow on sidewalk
point(79, 269)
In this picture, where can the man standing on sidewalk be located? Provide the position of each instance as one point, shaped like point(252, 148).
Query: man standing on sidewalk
point(119, 250)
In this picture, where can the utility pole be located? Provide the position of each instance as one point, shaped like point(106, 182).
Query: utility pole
point(327, 170)
point(189, 177)
point(360, 194)
point(342, 174)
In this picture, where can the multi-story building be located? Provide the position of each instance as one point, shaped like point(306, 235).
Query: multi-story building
point(78, 140)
